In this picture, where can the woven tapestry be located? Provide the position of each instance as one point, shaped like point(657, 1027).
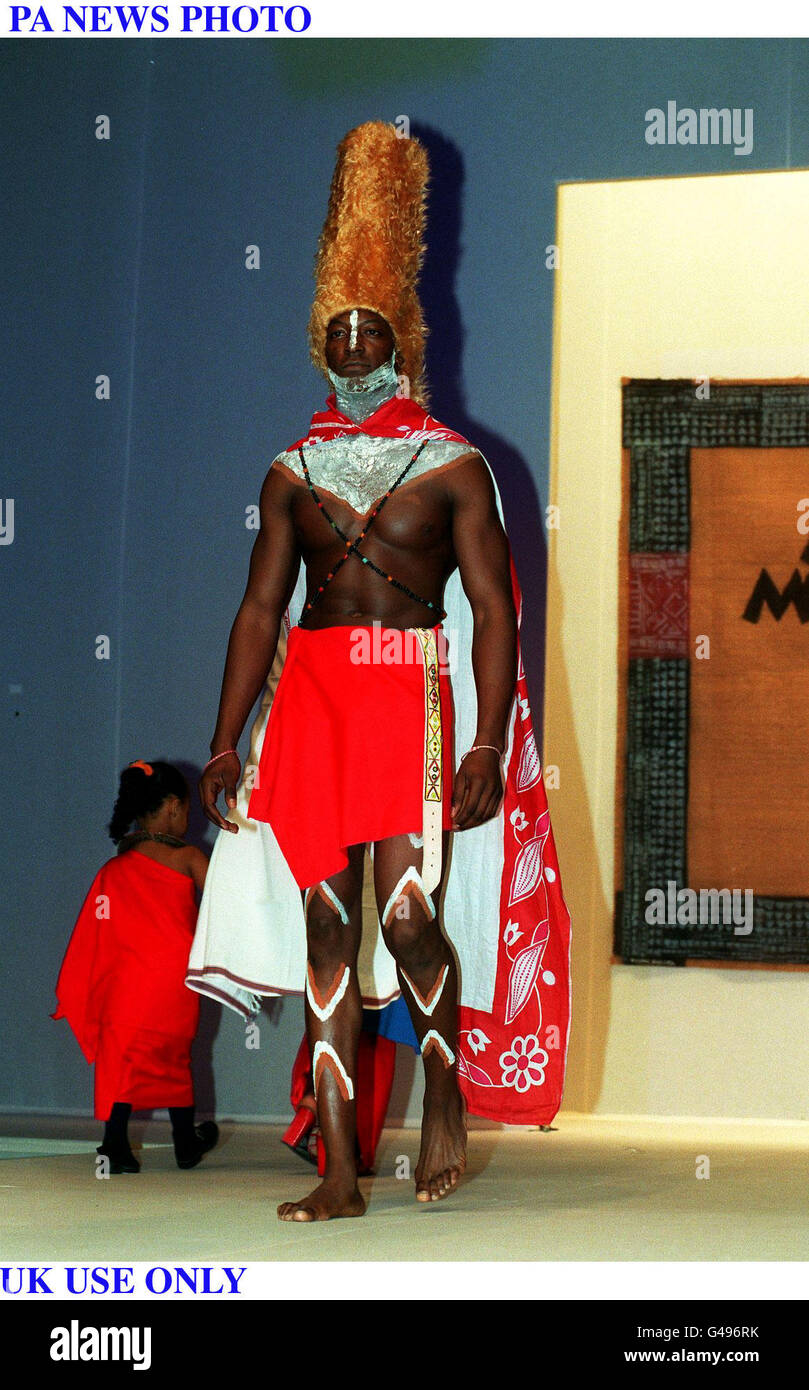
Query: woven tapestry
point(712, 796)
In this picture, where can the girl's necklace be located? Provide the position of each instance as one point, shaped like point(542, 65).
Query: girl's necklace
point(135, 837)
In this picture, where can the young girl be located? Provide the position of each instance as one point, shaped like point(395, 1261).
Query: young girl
point(122, 983)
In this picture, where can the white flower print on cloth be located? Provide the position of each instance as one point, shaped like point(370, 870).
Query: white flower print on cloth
point(478, 1040)
point(511, 933)
point(524, 1064)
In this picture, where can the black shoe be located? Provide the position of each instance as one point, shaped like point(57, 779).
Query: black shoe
point(207, 1135)
point(120, 1160)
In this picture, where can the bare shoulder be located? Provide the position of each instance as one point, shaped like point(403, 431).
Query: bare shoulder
point(194, 863)
point(469, 480)
point(196, 856)
point(279, 487)
point(188, 856)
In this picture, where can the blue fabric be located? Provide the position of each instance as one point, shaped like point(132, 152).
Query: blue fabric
point(391, 1022)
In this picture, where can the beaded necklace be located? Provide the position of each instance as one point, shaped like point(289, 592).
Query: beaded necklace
point(136, 836)
point(352, 547)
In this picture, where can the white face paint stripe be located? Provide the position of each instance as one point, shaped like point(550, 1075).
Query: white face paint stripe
point(410, 875)
point(325, 1011)
point(353, 318)
point(428, 1005)
point(326, 892)
point(433, 1040)
point(324, 1051)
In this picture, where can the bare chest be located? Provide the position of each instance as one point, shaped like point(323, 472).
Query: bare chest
point(415, 517)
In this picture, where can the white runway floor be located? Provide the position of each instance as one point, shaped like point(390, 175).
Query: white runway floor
point(595, 1189)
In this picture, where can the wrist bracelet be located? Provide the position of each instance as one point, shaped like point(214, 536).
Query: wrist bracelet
point(476, 746)
point(217, 756)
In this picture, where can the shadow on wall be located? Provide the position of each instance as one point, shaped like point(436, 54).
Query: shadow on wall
point(447, 402)
point(591, 913)
point(571, 816)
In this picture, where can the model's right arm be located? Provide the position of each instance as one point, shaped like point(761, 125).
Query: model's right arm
point(274, 567)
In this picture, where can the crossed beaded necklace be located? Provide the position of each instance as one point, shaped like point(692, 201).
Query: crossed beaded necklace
point(352, 547)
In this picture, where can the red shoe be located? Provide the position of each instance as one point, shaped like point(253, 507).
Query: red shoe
point(296, 1136)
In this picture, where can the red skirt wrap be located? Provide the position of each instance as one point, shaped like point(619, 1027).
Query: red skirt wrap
point(343, 757)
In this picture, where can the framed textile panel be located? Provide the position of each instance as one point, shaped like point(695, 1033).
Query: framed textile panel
point(712, 803)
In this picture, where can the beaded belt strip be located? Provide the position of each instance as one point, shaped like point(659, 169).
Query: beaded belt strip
point(352, 547)
point(433, 762)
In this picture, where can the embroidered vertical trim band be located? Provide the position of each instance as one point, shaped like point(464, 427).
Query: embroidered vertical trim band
point(433, 762)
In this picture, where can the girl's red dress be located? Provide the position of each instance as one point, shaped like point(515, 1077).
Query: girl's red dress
point(122, 984)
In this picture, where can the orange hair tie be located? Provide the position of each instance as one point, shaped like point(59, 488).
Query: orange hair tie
point(146, 767)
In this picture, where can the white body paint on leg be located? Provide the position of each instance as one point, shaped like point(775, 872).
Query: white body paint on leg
point(411, 876)
point(330, 897)
point(323, 1006)
point(428, 1005)
point(433, 1041)
point(325, 1056)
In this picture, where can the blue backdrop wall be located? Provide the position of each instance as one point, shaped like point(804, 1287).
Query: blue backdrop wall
point(126, 258)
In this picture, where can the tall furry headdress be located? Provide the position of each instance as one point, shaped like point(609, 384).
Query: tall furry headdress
point(372, 244)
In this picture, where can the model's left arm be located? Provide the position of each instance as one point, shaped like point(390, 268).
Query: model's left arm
point(481, 549)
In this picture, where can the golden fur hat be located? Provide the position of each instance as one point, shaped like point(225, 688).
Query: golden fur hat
point(372, 244)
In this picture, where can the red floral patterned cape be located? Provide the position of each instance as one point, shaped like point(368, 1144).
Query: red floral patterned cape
point(511, 1061)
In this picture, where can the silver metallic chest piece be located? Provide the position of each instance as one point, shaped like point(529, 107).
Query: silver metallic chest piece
point(359, 468)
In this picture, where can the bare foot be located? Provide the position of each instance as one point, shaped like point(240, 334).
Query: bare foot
point(327, 1202)
point(442, 1159)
